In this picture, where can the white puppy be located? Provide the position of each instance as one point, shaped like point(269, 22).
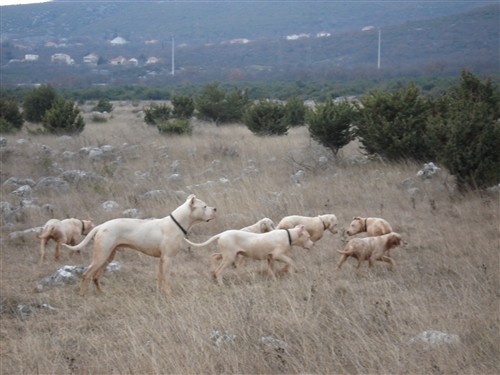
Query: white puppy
point(270, 246)
point(66, 231)
point(316, 226)
point(372, 249)
point(373, 226)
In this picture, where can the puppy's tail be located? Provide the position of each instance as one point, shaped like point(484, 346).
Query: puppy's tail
point(85, 241)
point(342, 251)
point(207, 242)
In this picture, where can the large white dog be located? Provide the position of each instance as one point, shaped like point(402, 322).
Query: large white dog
point(316, 226)
point(270, 246)
point(160, 238)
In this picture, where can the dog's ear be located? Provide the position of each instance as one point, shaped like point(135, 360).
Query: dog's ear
point(191, 199)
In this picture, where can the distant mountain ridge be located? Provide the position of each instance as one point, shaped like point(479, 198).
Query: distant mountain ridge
point(216, 41)
point(210, 21)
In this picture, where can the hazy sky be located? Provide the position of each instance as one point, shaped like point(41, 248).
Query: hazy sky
point(12, 2)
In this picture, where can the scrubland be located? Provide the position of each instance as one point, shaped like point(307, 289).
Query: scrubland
point(320, 320)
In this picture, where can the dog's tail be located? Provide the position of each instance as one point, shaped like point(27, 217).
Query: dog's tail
point(342, 251)
point(207, 242)
point(85, 241)
point(45, 232)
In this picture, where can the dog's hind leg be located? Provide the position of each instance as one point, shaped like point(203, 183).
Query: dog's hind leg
point(42, 248)
point(57, 254)
point(218, 272)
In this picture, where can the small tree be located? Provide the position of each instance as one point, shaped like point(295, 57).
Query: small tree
point(266, 118)
point(469, 130)
point(210, 103)
point(175, 126)
point(330, 124)
point(183, 106)
point(63, 118)
point(11, 119)
point(37, 102)
point(215, 104)
point(394, 125)
point(103, 106)
point(157, 113)
point(295, 111)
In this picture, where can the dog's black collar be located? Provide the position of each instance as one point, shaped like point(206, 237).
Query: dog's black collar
point(83, 226)
point(180, 226)
point(289, 237)
point(366, 225)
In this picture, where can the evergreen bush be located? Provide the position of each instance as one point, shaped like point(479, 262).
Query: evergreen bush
point(468, 130)
point(11, 119)
point(103, 106)
point(266, 118)
point(175, 126)
point(157, 113)
point(37, 102)
point(330, 124)
point(63, 118)
point(183, 106)
point(393, 125)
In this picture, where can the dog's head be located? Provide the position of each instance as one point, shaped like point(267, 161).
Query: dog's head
point(88, 225)
point(266, 225)
point(394, 240)
point(329, 222)
point(200, 211)
point(304, 238)
point(356, 226)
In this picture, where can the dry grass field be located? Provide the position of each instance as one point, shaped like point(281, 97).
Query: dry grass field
point(317, 321)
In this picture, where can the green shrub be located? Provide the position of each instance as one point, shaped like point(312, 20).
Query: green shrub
point(215, 104)
point(157, 113)
point(63, 118)
point(183, 106)
point(330, 124)
point(468, 130)
point(266, 118)
point(10, 116)
point(295, 111)
point(6, 126)
point(393, 125)
point(103, 106)
point(37, 102)
point(175, 126)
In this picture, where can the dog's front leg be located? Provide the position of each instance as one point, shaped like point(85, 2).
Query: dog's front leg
point(270, 266)
point(163, 277)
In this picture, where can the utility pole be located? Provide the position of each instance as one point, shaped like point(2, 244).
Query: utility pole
point(379, 43)
point(173, 57)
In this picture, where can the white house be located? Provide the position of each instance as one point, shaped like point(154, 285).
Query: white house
point(62, 58)
point(152, 60)
point(120, 60)
point(91, 59)
point(118, 41)
point(31, 57)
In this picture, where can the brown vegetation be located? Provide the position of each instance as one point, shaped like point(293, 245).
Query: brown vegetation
point(319, 320)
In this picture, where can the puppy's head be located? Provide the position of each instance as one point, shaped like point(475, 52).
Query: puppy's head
point(394, 240)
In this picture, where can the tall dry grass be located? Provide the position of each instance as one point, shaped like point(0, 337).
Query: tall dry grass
point(327, 321)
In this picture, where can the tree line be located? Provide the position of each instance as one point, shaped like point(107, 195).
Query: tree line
point(460, 128)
